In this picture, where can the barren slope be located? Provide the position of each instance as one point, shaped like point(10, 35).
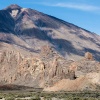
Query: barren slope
point(30, 29)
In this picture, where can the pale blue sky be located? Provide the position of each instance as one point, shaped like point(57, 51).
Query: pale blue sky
point(83, 13)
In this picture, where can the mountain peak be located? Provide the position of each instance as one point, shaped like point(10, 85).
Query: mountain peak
point(13, 7)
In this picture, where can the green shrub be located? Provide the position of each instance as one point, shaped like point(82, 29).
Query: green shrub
point(9, 98)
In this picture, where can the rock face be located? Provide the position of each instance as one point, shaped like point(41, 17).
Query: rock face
point(81, 75)
point(89, 56)
point(48, 73)
point(41, 51)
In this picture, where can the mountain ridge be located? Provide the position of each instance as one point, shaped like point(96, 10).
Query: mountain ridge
point(63, 21)
point(35, 23)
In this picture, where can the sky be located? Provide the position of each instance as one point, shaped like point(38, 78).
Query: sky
point(83, 13)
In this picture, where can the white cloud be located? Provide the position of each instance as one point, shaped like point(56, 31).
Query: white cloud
point(83, 7)
point(78, 6)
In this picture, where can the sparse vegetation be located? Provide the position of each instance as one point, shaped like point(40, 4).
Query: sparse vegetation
point(26, 95)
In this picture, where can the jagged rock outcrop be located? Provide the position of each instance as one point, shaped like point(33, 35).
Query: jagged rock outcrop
point(88, 56)
point(39, 72)
point(80, 77)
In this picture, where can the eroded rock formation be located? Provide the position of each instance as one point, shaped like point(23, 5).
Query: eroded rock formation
point(40, 72)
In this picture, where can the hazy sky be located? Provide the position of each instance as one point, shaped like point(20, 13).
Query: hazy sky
point(83, 13)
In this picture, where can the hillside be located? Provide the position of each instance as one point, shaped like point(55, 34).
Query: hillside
point(29, 29)
point(38, 50)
